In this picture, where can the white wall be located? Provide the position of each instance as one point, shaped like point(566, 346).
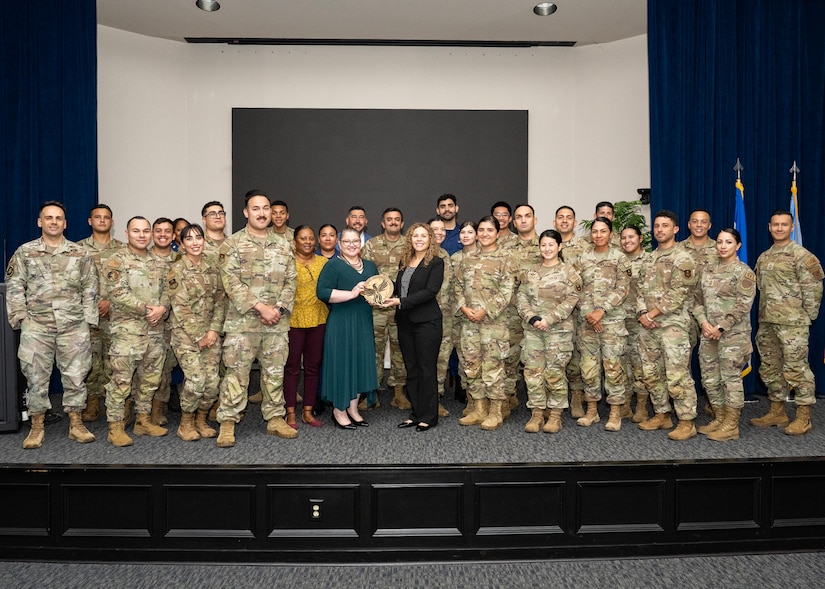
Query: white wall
point(164, 123)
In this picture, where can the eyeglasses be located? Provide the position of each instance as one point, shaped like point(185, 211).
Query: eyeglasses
point(215, 214)
point(351, 242)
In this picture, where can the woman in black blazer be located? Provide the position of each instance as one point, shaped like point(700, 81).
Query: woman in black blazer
point(418, 317)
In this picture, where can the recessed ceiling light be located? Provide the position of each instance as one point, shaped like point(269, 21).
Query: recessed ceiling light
point(210, 5)
point(545, 8)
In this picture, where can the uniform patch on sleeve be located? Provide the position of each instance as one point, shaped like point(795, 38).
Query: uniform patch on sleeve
point(173, 284)
point(813, 266)
point(629, 272)
point(688, 273)
point(113, 275)
point(10, 271)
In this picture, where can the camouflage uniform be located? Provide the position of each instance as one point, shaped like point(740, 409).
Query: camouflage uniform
point(386, 255)
point(571, 250)
point(666, 280)
point(138, 348)
point(51, 296)
point(255, 270)
point(704, 255)
point(724, 299)
point(632, 353)
point(484, 281)
point(211, 249)
point(605, 281)
point(198, 306)
point(446, 307)
point(458, 317)
point(790, 292)
point(101, 336)
point(164, 391)
point(552, 294)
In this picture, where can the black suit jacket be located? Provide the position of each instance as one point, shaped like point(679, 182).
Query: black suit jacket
point(420, 304)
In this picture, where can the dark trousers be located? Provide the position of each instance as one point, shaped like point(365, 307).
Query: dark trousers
point(306, 343)
point(419, 344)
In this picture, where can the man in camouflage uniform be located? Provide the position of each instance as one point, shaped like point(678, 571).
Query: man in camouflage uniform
point(666, 281)
point(789, 279)
point(258, 273)
point(386, 251)
point(280, 216)
point(51, 296)
point(503, 213)
point(214, 224)
point(605, 209)
point(136, 284)
point(101, 246)
point(572, 247)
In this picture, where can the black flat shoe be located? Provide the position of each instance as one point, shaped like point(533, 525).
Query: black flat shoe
point(406, 424)
point(362, 423)
point(348, 426)
point(422, 428)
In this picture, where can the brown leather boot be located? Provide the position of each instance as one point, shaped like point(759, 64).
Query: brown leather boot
point(536, 421)
point(576, 409)
point(658, 421)
point(553, 423)
point(729, 429)
point(186, 429)
point(117, 434)
point(226, 439)
point(37, 433)
point(494, 419)
point(78, 431)
point(592, 415)
point(202, 426)
point(641, 413)
point(399, 399)
point(775, 416)
point(684, 431)
point(145, 427)
point(802, 423)
point(614, 422)
point(719, 412)
point(92, 410)
point(478, 415)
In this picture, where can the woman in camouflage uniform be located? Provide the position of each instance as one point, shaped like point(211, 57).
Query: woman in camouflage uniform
point(631, 242)
point(547, 295)
point(722, 310)
point(467, 236)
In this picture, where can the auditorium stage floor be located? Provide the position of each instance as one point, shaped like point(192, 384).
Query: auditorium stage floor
point(449, 443)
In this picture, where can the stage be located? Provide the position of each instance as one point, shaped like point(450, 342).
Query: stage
point(384, 494)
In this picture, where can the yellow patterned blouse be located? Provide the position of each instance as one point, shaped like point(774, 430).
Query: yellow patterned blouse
point(309, 310)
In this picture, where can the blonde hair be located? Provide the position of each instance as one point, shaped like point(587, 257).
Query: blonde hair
point(409, 252)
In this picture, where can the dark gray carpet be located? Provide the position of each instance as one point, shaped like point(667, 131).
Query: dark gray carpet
point(448, 443)
point(766, 571)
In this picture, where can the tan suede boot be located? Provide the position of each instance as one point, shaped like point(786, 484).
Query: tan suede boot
point(78, 431)
point(719, 412)
point(213, 411)
point(276, 426)
point(576, 409)
point(202, 426)
point(37, 433)
point(469, 408)
point(442, 411)
point(553, 423)
point(729, 429)
point(226, 439)
point(505, 410)
point(536, 421)
point(399, 399)
point(775, 416)
point(186, 429)
point(157, 416)
point(145, 427)
point(256, 399)
point(592, 415)
point(478, 414)
point(512, 401)
point(658, 421)
point(117, 434)
point(614, 422)
point(494, 420)
point(626, 412)
point(92, 410)
point(802, 423)
point(684, 431)
point(641, 413)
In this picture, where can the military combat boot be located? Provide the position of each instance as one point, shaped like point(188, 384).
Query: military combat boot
point(399, 399)
point(592, 415)
point(802, 423)
point(145, 427)
point(37, 433)
point(157, 416)
point(117, 434)
point(226, 439)
point(493, 421)
point(641, 413)
point(684, 431)
point(469, 408)
point(92, 410)
point(658, 421)
point(553, 423)
point(729, 429)
point(626, 412)
point(276, 426)
point(202, 426)
point(478, 414)
point(78, 431)
point(775, 416)
point(719, 412)
point(128, 411)
point(255, 398)
point(186, 429)
point(536, 421)
point(614, 422)
point(576, 409)
point(442, 411)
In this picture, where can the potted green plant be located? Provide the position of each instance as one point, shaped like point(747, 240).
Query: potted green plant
point(627, 213)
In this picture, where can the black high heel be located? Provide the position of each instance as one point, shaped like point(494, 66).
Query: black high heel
point(347, 426)
point(362, 423)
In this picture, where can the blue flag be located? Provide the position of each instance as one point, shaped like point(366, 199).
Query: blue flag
point(796, 232)
point(739, 222)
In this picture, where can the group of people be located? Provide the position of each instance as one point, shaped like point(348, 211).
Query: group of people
point(585, 317)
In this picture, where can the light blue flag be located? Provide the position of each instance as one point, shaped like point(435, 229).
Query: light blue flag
point(739, 222)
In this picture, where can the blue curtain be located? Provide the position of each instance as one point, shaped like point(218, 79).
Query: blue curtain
point(48, 122)
point(746, 79)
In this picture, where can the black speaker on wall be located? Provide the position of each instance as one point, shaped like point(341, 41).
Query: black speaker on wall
point(11, 380)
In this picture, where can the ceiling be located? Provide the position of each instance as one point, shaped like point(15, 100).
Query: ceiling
point(438, 22)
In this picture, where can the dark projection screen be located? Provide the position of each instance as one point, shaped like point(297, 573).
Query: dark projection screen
point(322, 161)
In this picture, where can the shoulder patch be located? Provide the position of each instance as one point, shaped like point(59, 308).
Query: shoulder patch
point(688, 273)
point(10, 270)
point(813, 266)
point(173, 284)
point(113, 275)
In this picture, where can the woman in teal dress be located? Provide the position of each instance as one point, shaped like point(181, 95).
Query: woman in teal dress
point(348, 368)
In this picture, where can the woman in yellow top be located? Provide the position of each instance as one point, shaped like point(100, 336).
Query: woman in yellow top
point(307, 327)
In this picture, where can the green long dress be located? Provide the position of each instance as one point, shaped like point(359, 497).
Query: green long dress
point(349, 345)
